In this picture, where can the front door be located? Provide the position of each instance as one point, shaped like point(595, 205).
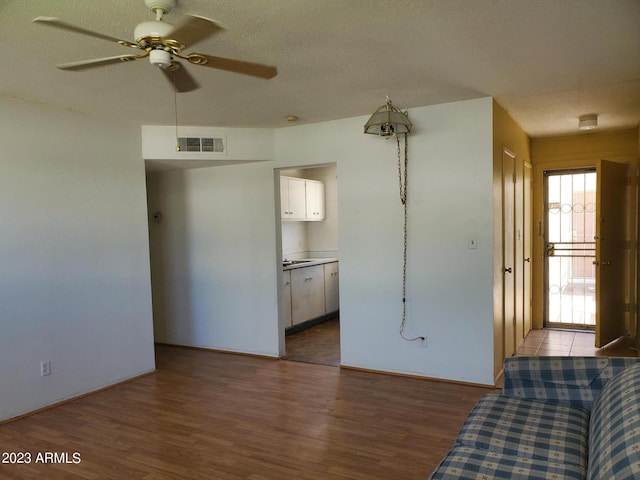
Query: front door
point(610, 264)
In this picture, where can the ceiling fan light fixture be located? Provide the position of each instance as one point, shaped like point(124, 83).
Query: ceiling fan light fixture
point(588, 122)
point(387, 121)
point(163, 43)
point(160, 58)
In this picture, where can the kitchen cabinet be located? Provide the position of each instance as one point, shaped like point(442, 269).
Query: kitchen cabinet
point(307, 293)
point(286, 298)
point(292, 198)
point(301, 199)
point(331, 290)
point(314, 192)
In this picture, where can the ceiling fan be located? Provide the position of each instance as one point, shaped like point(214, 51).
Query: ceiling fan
point(162, 43)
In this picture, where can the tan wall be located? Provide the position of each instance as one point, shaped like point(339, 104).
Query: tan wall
point(575, 151)
point(506, 133)
point(637, 232)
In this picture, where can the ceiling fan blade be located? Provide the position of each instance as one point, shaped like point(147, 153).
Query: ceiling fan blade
point(97, 62)
point(180, 78)
point(57, 23)
point(194, 30)
point(238, 66)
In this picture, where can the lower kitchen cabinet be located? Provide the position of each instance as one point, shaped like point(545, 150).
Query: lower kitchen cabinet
point(331, 295)
point(307, 293)
point(286, 298)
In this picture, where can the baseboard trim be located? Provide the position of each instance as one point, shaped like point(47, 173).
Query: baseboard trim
point(218, 350)
point(76, 397)
point(311, 323)
point(419, 377)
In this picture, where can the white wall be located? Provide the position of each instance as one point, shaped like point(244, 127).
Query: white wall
point(450, 197)
point(323, 236)
point(220, 267)
point(295, 240)
point(213, 258)
point(241, 144)
point(74, 281)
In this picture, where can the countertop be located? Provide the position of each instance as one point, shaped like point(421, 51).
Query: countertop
point(307, 262)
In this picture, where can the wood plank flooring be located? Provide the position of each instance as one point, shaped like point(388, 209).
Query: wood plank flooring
point(209, 415)
point(318, 344)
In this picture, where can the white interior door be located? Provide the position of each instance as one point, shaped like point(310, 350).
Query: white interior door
point(508, 255)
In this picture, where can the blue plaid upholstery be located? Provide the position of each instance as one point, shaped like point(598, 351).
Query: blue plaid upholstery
point(614, 442)
point(573, 380)
point(528, 428)
point(466, 463)
point(557, 418)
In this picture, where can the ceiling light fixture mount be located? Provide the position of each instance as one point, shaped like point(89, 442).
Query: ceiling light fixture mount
point(160, 7)
point(588, 122)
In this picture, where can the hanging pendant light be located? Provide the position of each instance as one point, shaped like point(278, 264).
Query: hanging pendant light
point(387, 121)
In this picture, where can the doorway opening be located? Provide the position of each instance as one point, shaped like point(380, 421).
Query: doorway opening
point(570, 248)
point(307, 228)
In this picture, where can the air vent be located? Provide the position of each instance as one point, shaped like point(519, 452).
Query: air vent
point(198, 144)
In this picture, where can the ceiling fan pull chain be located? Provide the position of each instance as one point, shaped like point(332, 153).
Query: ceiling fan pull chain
point(175, 109)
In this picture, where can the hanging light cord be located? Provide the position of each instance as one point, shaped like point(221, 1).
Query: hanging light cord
point(175, 109)
point(402, 180)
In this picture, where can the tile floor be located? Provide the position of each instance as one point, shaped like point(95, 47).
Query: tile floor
point(321, 344)
point(573, 343)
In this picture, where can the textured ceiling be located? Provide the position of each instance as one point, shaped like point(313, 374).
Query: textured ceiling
point(546, 61)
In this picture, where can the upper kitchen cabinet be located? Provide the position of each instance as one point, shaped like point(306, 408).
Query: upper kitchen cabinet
point(301, 199)
point(315, 199)
point(292, 198)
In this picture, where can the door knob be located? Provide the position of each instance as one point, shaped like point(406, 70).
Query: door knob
point(528, 259)
point(508, 270)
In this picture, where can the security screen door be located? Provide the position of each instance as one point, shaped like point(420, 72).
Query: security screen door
point(587, 258)
point(571, 248)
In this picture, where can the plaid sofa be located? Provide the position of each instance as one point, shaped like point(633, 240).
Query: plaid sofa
point(556, 418)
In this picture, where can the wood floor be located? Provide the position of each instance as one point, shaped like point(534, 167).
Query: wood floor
point(209, 415)
point(319, 344)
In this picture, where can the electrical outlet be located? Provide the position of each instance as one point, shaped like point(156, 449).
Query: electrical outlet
point(45, 368)
point(423, 341)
